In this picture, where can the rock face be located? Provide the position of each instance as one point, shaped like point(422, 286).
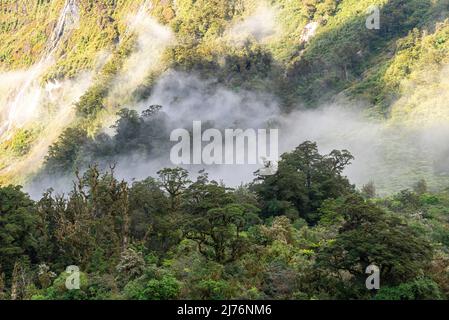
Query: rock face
point(309, 31)
point(68, 19)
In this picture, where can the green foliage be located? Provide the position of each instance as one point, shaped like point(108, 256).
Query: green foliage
point(91, 226)
point(303, 233)
point(171, 237)
point(18, 229)
point(155, 284)
point(303, 181)
point(63, 154)
point(91, 102)
point(145, 133)
point(369, 236)
point(217, 222)
point(131, 265)
point(20, 144)
point(215, 290)
point(166, 288)
point(419, 289)
point(59, 291)
point(150, 223)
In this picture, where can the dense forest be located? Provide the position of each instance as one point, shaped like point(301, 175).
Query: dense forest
point(303, 233)
point(90, 91)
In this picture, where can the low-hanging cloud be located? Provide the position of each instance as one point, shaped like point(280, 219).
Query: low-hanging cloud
point(260, 26)
point(391, 154)
point(152, 39)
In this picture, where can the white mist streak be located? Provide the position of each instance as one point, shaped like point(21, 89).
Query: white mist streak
point(26, 101)
point(152, 39)
point(393, 155)
point(260, 26)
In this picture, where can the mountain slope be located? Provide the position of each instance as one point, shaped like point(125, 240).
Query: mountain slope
point(76, 63)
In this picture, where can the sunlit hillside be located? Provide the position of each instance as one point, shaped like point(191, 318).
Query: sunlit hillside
point(75, 64)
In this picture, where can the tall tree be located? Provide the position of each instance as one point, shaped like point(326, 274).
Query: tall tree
point(304, 179)
point(368, 236)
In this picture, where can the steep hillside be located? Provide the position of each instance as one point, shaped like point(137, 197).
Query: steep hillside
point(76, 63)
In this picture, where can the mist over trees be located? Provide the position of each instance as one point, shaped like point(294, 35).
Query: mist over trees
point(89, 87)
point(302, 233)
